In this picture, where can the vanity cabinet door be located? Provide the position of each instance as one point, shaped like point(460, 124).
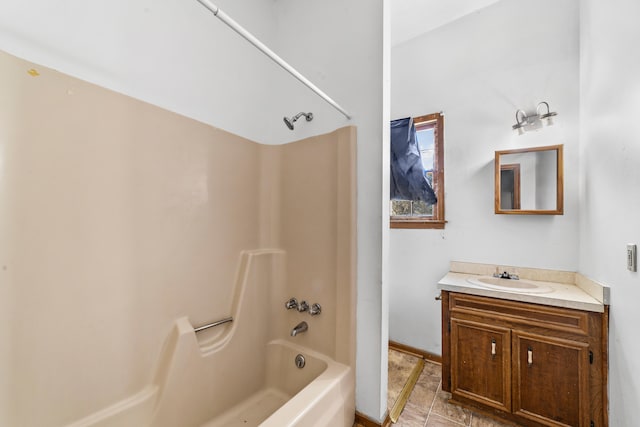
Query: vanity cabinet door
point(550, 380)
point(481, 363)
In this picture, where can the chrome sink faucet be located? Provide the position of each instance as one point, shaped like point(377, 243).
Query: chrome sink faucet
point(505, 274)
point(299, 328)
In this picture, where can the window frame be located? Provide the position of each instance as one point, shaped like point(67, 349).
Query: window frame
point(436, 221)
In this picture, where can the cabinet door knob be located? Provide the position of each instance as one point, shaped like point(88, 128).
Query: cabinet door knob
point(493, 347)
point(530, 356)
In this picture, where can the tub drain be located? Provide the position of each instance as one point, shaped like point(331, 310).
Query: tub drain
point(300, 361)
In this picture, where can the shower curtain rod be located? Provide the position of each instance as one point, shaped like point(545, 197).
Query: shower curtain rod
point(271, 54)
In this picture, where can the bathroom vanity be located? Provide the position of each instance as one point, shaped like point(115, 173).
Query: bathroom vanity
point(534, 359)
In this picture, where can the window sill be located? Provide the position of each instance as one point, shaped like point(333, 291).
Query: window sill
point(417, 223)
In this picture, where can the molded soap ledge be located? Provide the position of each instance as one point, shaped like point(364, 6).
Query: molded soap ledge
point(180, 392)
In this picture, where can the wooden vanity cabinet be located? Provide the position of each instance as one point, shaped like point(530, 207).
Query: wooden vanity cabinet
point(532, 364)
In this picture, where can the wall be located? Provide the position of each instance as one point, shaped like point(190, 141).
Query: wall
point(179, 56)
point(340, 47)
point(120, 217)
point(173, 54)
point(610, 178)
point(312, 195)
point(479, 70)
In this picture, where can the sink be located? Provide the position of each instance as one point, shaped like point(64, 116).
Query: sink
point(510, 285)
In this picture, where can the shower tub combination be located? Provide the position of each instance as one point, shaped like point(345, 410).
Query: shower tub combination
point(241, 372)
point(244, 372)
point(290, 396)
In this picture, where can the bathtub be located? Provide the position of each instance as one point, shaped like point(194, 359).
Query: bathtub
point(196, 390)
point(241, 373)
point(314, 395)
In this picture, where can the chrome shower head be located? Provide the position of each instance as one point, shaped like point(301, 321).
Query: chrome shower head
point(290, 121)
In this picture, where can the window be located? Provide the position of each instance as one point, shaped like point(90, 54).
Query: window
point(415, 213)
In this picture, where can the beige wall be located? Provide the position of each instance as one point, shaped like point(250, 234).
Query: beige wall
point(118, 217)
point(315, 181)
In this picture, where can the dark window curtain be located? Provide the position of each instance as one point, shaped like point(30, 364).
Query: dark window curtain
point(407, 172)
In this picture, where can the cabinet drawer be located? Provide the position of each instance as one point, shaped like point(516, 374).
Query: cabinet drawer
point(554, 318)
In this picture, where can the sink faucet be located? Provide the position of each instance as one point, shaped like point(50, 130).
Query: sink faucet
point(505, 275)
point(299, 328)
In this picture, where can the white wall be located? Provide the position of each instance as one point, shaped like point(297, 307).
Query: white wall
point(339, 46)
point(479, 70)
point(145, 48)
point(610, 179)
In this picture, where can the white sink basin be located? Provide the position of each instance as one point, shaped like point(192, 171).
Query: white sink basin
point(510, 285)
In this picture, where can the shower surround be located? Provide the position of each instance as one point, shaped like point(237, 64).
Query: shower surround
point(127, 225)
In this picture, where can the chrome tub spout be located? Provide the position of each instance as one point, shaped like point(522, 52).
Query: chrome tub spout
point(299, 328)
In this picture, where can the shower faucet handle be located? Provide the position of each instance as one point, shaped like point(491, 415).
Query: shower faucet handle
point(303, 306)
point(292, 303)
point(315, 309)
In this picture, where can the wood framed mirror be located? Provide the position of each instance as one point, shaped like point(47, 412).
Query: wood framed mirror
point(529, 181)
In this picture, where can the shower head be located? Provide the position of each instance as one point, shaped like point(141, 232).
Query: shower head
point(290, 121)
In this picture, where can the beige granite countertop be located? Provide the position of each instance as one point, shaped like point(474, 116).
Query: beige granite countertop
point(570, 289)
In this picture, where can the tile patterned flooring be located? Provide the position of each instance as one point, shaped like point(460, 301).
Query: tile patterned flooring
point(428, 405)
point(400, 367)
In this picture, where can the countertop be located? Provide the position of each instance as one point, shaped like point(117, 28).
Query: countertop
point(564, 295)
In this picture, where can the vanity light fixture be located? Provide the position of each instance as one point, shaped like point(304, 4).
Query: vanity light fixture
point(534, 121)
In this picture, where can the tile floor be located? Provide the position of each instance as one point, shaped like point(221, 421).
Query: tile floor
point(400, 367)
point(428, 406)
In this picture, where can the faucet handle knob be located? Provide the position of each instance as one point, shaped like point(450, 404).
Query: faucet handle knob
point(497, 272)
point(292, 303)
point(315, 309)
point(303, 306)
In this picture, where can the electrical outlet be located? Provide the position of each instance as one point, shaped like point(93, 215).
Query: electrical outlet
point(632, 258)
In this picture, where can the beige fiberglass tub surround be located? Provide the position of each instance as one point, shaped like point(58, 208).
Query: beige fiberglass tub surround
point(130, 227)
point(238, 376)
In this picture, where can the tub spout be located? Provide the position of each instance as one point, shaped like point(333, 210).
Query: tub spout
point(299, 328)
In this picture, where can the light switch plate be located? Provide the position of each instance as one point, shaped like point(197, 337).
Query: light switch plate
point(632, 258)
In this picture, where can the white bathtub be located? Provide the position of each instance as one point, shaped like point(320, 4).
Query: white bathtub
point(234, 375)
point(264, 389)
point(315, 395)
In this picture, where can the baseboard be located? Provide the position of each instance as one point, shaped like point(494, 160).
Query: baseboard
point(415, 351)
point(365, 421)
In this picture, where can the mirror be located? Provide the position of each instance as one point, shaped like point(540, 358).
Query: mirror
point(529, 181)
